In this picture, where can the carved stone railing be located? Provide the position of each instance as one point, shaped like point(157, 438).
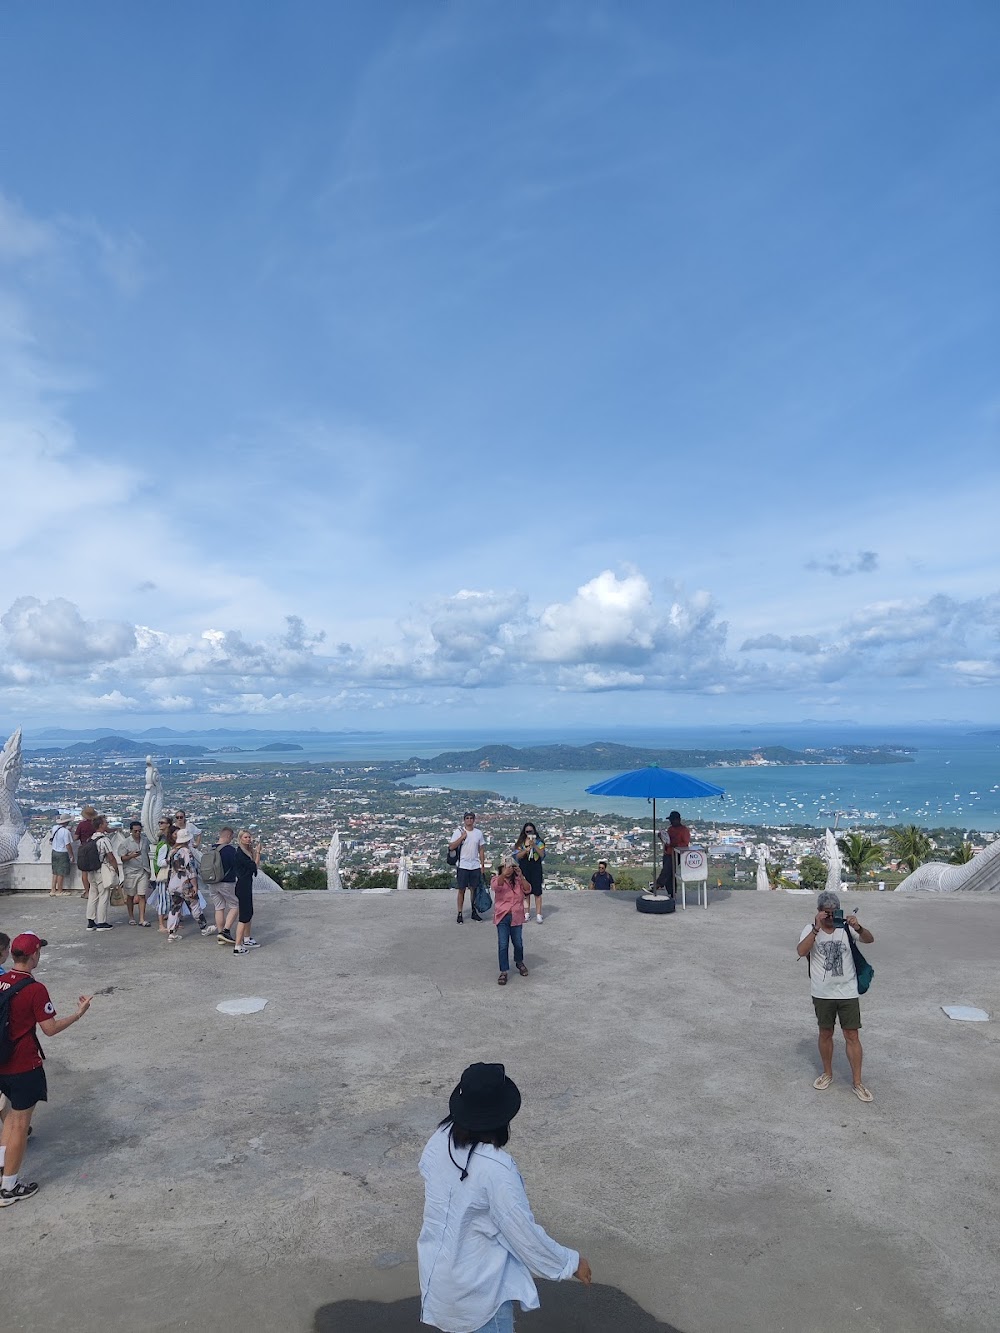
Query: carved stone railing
point(980, 875)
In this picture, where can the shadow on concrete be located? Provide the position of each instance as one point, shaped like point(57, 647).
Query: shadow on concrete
point(716, 897)
point(567, 1307)
point(621, 897)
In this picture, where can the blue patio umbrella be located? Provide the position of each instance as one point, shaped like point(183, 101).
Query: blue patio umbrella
point(655, 783)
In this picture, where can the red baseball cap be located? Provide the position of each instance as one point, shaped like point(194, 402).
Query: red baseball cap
point(27, 944)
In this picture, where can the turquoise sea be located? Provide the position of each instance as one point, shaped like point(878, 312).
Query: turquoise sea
point(953, 782)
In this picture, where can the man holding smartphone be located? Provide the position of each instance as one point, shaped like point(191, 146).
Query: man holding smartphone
point(834, 983)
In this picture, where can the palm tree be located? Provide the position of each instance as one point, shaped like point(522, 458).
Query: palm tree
point(861, 854)
point(777, 878)
point(962, 854)
point(910, 846)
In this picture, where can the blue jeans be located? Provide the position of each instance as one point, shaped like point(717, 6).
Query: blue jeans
point(503, 1320)
point(505, 934)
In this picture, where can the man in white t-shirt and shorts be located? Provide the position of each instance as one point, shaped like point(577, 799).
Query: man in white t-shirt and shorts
point(834, 983)
point(62, 855)
point(471, 860)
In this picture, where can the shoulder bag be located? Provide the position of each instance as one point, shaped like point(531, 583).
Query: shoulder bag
point(865, 971)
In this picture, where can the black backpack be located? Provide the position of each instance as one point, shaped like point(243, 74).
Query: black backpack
point(89, 857)
point(6, 995)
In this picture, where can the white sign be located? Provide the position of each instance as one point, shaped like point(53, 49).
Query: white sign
point(694, 865)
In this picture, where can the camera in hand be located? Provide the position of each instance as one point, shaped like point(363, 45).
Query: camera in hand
point(839, 919)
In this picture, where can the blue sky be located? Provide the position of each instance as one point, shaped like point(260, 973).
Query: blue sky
point(559, 362)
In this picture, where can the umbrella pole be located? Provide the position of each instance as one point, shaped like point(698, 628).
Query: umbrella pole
point(654, 844)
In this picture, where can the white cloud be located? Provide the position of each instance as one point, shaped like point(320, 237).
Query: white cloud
point(22, 236)
point(112, 702)
point(795, 643)
point(610, 619)
point(841, 566)
point(616, 633)
point(980, 671)
point(54, 632)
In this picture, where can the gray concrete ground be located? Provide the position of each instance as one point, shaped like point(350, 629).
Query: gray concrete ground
point(259, 1172)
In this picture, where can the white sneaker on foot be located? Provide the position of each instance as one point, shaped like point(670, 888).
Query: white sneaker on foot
point(538, 918)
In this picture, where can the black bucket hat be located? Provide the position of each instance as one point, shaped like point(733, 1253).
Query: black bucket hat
point(484, 1099)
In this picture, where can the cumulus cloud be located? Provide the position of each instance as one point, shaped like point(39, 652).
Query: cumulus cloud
point(610, 619)
point(795, 643)
point(298, 638)
point(616, 632)
point(112, 702)
point(840, 566)
point(55, 632)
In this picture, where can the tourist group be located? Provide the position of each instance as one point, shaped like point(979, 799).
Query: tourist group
point(170, 877)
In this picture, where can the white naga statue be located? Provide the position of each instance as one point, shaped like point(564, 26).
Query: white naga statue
point(152, 802)
point(333, 880)
point(763, 883)
point(831, 854)
point(12, 822)
point(403, 878)
point(981, 874)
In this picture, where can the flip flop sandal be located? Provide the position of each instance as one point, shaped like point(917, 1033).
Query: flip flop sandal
point(823, 1082)
point(522, 969)
point(502, 979)
point(862, 1093)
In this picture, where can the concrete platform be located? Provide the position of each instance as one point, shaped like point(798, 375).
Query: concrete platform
point(259, 1171)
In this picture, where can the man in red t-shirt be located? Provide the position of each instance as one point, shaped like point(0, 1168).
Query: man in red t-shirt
point(22, 1077)
point(83, 832)
point(675, 839)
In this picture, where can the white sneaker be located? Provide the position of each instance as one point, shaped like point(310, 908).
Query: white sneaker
point(240, 948)
point(210, 930)
point(251, 944)
point(538, 918)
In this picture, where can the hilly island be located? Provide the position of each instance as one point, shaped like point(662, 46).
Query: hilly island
point(607, 755)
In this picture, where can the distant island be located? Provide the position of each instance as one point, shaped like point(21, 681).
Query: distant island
point(606, 755)
point(277, 747)
point(119, 747)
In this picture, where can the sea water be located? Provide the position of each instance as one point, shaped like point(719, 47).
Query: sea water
point(953, 782)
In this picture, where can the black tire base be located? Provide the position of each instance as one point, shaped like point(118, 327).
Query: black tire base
point(655, 906)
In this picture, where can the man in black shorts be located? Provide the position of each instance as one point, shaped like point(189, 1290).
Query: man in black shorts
point(471, 846)
point(22, 1076)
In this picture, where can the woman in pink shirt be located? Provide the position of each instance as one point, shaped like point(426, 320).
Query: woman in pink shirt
point(509, 889)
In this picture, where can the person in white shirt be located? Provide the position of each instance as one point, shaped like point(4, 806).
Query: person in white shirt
point(834, 982)
point(471, 860)
point(181, 821)
point(62, 855)
point(479, 1243)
